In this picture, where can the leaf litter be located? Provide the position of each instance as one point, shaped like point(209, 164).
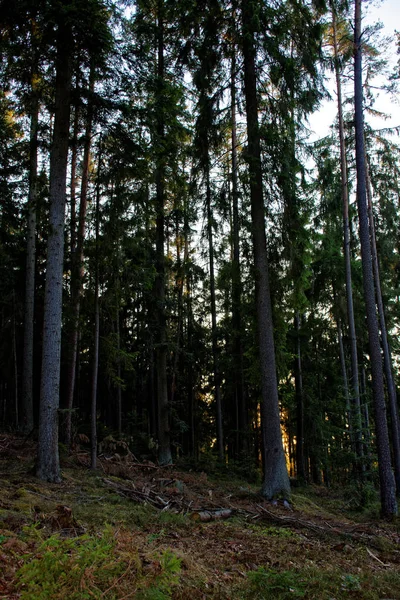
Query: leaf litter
point(218, 533)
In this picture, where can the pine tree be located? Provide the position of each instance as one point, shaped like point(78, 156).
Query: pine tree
point(387, 484)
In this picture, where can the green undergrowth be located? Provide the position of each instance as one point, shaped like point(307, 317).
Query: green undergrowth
point(318, 584)
point(115, 548)
point(94, 566)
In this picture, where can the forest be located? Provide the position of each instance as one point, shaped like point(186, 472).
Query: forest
point(185, 277)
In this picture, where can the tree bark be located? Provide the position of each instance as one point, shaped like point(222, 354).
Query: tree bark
point(241, 445)
point(298, 376)
point(217, 389)
point(356, 428)
point(77, 266)
point(48, 459)
point(344, 374)
point(164, 448)
point(387, 483)
point(276, 480)
point(27, 377)
point(387, 359)
point(74, 157)
point(93, 402)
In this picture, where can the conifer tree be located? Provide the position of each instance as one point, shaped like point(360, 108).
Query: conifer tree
point(387, 484)
point(48, 459)
point(276, 480)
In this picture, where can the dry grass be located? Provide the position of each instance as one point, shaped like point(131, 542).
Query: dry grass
point(310, 552)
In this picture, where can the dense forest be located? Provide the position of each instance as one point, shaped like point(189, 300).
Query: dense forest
point(181, 268)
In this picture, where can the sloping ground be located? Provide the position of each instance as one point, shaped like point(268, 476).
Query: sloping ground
point(133, 530)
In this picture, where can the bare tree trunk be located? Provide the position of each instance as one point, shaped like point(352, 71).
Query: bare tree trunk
point(48, 459)
point(391, 389)
point(15, 357)
point(276, 480)
point(217, 390)
point(164, 449)
point(93, 403)
point(179, 289)
point(77, 267)
point(387, 483)
point(354, 380)
point(365, 417)
point(241, 445)
point(298, 376)
point(344, 374)
point(119, 391)
point(189, 341)
point(74, 157)
point(27, 373)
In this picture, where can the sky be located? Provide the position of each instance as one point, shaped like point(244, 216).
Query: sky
point(388, 12)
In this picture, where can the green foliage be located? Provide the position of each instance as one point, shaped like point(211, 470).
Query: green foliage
point(76, 568)
point(361, 496)
point(264, 583)
point(168, 576)
point(351, 583)
point(88, 566)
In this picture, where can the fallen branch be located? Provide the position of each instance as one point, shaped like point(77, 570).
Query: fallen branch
point(327, 530)
point(376, 558)
point(205, 515)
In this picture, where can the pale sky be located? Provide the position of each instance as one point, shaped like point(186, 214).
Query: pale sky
point(388, 12)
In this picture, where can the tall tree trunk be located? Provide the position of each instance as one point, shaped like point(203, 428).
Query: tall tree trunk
point(27, 374)
point(189, 338)
point(48, 459)
point(276, 480)
point(164, 448)
point(179, 325)
point(15, 360)
point(354, 379)
point(344, 374)
point(241, 445)
point(95, 368)
point(119, 390)
point(298, 376)
point(217, 388)
point(74, 158)
point(391, 389)
point(387, 483)
point(77, 266)
point(365, 418)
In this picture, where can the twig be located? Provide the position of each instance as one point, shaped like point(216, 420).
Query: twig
point(376, 558)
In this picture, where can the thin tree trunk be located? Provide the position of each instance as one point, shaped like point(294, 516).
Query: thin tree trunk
point(74, 157)
point(217, 390)
point(354, 379)
point(15, 357)
point(93, 403)
point(236, 275)
point(391, 389)
point(48, 467)
point(387, 483)
point(344, 374)
point(298, 376)
point(179, 288)
point(119, 391)
point(27, 373)
point(365, 417)
point(276, 480)
point(77, 267)
point(189, 341)
point(164, 449)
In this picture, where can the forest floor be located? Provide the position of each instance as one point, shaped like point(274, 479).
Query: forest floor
point(135, 530)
